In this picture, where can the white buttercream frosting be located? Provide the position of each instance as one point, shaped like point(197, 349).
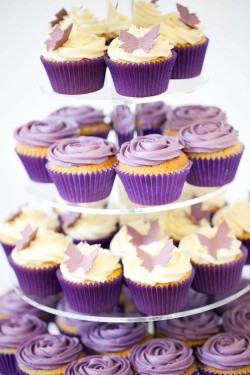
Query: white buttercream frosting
point(212, 204)
point(146, 14)
point(161, 48)
point(103, 266)
point(179, 224)
point(199, 253)
point(178, 266)
point(85, 20)
point(116, 21)
point(47, 247)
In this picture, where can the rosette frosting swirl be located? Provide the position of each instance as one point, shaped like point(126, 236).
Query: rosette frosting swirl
point(207, 136)
point(123, 119)
point(96, 364)
point(45, 133)
point(237, 319)
point(190, 114)
point(152, 149)
point(161, 356)
point(153, 114)
point(17, 330)
point(113, 337)
point(83, 115)
point(81, 151)
point(225, 351)
point(47, 352)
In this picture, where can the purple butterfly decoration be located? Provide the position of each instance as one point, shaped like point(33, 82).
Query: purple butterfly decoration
point(131, 43)
point(69, 219)
point(197, 214)
point(58, 37)
point(150, 261)
point(154, 1)
point(220, 241)
point(77, 260)
point(59, 17)
point(28, 235)
point(140, 239)
point(190, 19)
point(14, 214)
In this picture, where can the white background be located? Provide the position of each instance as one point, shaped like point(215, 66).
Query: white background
point(23, 29)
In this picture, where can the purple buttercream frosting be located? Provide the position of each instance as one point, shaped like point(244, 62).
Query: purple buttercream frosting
point(84, 115)
point(161, 356)
point(207, 137)
point(47, 352)
point(152, 149)
point(45, 133)
point(81, 151)
point(12, 304)
point(225, 351)
point(237, 320)
point(152, 115)
point(113, 337)
point(17, 330)
point(190, 114)
point(123, 119)
point(96, 364)
point(194, 327)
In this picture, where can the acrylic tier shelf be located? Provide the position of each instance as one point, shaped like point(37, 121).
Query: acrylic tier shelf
point(198, 303)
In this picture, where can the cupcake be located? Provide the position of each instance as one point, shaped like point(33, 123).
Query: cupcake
point(215, 151)
point(159, 276)
point(237, 319)
point(192, 330)
point(151, 118)
point(90, 228)
point(97, 364)
point(217, 257)
point(116, 21)
point(153, 169)
point(146, 14)
point(35, 260)
point(14, 332)
point(123, 121)
point(224, 353)
point(190, 114)
point(11, 228)
point(162, 356)
point(74, 60)
point(82, 168)
point(140, 62)
point(47, 354)
point(91, 278)
point(183, 31)
point(114, 338)
point(34, 139)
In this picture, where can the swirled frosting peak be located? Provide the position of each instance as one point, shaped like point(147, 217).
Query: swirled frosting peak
point(123, 119)
point(152, 149)
point(225, 351)
point(207, 136)
point(47, 352)
point(161, 356)
point(83, 115)
point(81, 151)
point(96, 364)
point(237, 319)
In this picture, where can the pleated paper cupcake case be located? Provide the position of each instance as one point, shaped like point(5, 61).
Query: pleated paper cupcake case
point(35, 167)
point(7, 248)
point(8, 364)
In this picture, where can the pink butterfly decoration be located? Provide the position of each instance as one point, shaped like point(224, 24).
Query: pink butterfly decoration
point(140, 239)
point(59, 17)
point(150, 261)
point(131, 43)
point(197, 214)
point(220, 241)
point(28, 235)
point(77, 260)
point(190, 19)
point(58, 37)
point(69, 219)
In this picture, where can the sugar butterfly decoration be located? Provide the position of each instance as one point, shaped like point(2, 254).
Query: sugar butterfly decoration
point(78, 260)
point(58, 37)
point(69, 219)
point(150, 261)
point(28, 235)
point(59, 17)
point(197, 214)
point(144, 239)
point(190, 19)
point(131, 43)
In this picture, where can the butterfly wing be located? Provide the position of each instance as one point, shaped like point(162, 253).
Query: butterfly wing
point(222, 240)
point(130, 42)
point(75, 257)
point(151, 236)
point(147, 259)
point(136, 236)
point(147, 41)
point(164, 256)
point(88, 260)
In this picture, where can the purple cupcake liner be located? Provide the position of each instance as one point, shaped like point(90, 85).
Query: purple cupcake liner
point(104, 134)
point(141, 80)
point(76, 77)
point(214, 172)
point(154, 189)
point(124, 137)
point(142, 132)
point(94, 297)
point(239, 371)
point(35, 167)
point(103, 241)
point(189, 60)
point(8, 364)
point(160, 300)
point(246, 244)
point(218, 279)
point(7, 248)
point(37, 281)
point(84, 187)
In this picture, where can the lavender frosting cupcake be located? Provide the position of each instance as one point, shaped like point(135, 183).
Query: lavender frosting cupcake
point(153, 169)
point(224, 353)
point(162, 356)
point(214, 150)
point(96, 364)
point(34, 139)
point(237, 319)
point(82, 168)
point(151, 118)
point(47, 354)
point(123, 121)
